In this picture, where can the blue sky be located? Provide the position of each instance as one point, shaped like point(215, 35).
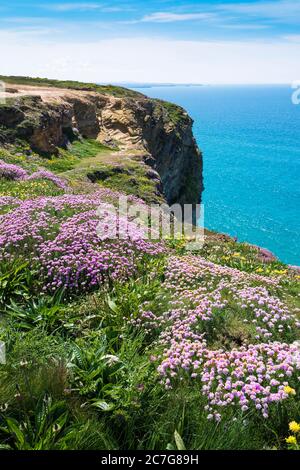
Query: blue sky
point(232, 41)
point(192, 19)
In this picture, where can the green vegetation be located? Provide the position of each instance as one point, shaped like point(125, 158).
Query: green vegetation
point(174, 112)
point(85, 160)
point(90, 160)
point(28, 189)
point(79, 150)
point(128, 177)
point(85, 366)
point(78, 376)
point(66, 159)
point(136, 184)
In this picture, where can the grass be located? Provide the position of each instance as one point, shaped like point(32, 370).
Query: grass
point(92, 161)
point(241, 256)
point(175, 113)
point(79, 152)
point(131, 180)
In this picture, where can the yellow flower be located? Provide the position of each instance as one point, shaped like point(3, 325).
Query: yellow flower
point(294, 427)
point(280, 271)
point(289, 390)
point(291, 440)
point(259, 270)
point(237, 254)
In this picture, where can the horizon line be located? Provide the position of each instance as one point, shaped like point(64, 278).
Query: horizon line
point(123, 83)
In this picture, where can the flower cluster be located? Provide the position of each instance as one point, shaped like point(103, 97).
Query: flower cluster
point(16, 173)
point(251, 376)
point(59, 234)
point(48, 175)
point(292, 441)
point(294, 427)
point(12, 172)
point(207, 289)
point(77, 258)
point(8, 201)
point(267, 313)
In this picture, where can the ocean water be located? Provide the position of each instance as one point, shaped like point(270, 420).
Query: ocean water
point(250, 139)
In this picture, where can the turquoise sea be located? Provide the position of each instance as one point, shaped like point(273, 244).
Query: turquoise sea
point(250, 138)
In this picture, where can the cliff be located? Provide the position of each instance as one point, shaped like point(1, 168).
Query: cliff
point(49, 115)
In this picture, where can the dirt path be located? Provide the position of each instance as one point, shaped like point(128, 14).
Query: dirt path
point(47, 94)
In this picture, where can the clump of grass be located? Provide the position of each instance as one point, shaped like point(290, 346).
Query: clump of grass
point(226, 251)
point(66, 160)
point(78, 151)
point(175, 113)
point(137, 185)
point(127, 177)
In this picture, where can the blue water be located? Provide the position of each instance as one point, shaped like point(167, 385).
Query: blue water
point(249, 136)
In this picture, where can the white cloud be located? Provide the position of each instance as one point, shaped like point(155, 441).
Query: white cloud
point(270, 10)
point(274, 9)
point(151, 60)
point(166, 17)
point(84, 7)
point(30, 32)
point(293, 37)
point(247, 26)
point(25, 20)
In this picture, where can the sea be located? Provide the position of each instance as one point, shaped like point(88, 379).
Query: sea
point(250, 139)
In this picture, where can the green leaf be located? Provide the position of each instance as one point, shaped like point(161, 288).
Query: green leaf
point(112, 305)
point(14, 429)
point(103, 405)
point(178, 440)
point(5, 447)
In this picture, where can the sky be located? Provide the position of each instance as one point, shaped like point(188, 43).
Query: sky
point(193, 41)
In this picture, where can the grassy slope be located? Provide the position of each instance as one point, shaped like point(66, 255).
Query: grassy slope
point(83, 159)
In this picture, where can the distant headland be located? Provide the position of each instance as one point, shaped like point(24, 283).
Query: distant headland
point(154, 85)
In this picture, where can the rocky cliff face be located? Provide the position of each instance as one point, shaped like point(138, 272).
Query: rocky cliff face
point(157, 132)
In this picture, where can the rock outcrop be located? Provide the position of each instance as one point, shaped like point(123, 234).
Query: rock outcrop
point(160, 133)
